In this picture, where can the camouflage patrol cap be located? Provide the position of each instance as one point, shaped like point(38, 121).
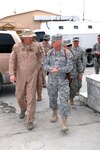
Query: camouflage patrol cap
point(56, 37)
point(66, 42)
point(98, 36)
point(46, 36)
point(76, 39)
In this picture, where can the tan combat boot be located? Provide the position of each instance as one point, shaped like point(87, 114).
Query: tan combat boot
point(22, 114)
point(64, 126)
point(30, 125)
point(39, 98)
point(71, 102)
point(54, 116)
point(44, 85)
point(77, 93)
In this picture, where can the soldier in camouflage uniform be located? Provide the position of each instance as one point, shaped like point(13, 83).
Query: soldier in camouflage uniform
point(96, 53)
point(83, 57)
point(58, 85)
point(75, 74)
point(45, 44)
point(67, 46)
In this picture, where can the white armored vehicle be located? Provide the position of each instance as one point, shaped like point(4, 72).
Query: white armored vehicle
point(86, 31)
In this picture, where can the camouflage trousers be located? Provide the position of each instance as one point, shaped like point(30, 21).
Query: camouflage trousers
point(74, 86)
point(39, 82)
point(79, 84)
point(96, 66)
point(44, 77)
point(59, 96)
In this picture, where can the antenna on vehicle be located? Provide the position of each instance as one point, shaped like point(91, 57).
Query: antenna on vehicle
point(60, 9)
point(47, 25)
point(83, 10)
point(15, 11)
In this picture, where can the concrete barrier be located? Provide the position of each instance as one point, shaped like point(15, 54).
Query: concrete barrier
point(92, 97)
point(83, 97)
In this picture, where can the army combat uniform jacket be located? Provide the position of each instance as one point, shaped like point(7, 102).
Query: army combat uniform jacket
point(96, 47)
point(57, 82)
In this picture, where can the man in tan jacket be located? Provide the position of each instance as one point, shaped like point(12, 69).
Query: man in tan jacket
point(24, 63)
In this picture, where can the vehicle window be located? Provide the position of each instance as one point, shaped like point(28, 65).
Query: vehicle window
point(75, 27)
point(61, 27)
point(89, 26)
point(6, 48)
point(6, 43)
point(40, 36)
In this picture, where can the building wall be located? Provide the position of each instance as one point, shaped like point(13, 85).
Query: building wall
point(27, 19)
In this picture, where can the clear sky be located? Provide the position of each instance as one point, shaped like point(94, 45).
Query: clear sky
point(91, 8)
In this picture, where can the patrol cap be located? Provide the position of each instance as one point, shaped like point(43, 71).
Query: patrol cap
point(56, 37)
point(20, 35)
point(76, 39)
point(46, 36)
point(67, 42)
point(98, 36)
point(27, 33)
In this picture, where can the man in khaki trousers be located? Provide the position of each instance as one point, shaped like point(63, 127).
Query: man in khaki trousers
point(24, 63)
point(41, 70)
point(46, 45)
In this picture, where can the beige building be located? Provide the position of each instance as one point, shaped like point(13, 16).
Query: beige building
point(31, 19)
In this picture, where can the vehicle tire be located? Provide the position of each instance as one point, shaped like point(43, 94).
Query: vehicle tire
point(90, 61)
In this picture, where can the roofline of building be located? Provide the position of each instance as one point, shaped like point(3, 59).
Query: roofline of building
point(29, 12)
